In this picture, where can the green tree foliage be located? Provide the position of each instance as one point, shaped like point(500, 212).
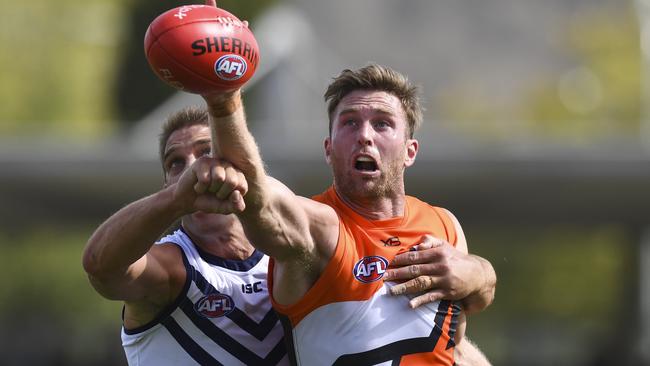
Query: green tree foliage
point(46, 299)
point(56, 65)
point(72, 68)
point(564, 279)
point(591, 94)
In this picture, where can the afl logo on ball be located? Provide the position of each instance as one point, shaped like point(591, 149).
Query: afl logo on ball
point(214, 305)
point(370, 269)
point(230, 67)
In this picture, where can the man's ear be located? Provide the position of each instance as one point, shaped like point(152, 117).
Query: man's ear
point(411, 152)
point(327, 146)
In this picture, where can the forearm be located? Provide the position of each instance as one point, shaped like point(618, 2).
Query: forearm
point(482, 297)
point(129, 234)
point(232, 141)
point(467, 353)
point(268, 222)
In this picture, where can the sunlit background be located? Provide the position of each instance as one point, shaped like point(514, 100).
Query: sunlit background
point(536, 135)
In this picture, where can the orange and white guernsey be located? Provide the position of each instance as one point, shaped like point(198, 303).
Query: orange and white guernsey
point(348, 317)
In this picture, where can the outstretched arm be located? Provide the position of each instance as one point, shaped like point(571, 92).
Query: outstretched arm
point(277, 221)
point(119, 258)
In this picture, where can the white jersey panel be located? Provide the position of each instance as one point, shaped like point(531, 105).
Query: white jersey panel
point(223, 316)
point(354, 327)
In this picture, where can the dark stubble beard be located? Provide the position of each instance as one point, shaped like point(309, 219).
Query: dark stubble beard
point(389, 183)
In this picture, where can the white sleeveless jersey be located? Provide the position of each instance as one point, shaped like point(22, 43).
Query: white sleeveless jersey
point(223, 316)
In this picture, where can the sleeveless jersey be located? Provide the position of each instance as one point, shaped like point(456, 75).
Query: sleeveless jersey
point(222, 316)
point(348, 316)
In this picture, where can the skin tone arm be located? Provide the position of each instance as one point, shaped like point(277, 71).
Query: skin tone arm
point(299, 233)
point(119, 258)
point(467, 353)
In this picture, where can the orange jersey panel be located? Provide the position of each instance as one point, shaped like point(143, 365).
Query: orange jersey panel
point(352, 297)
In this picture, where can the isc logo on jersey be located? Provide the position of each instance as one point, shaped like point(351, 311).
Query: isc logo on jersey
point(214, 305)
point(230, 67)
point(370, 269)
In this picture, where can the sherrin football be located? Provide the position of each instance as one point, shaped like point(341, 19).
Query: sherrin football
point(201, 49)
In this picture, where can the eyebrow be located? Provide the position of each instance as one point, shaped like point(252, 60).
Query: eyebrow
point(195, 143)
point(379, 110)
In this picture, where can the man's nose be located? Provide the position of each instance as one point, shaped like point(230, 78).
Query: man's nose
point(365, 134)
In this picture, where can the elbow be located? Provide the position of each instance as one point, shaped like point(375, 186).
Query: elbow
point(90, 263)
point(484, 296)
point(477, 304)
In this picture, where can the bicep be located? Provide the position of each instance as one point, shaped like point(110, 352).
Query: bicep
point(153, 277)
point(286, 225)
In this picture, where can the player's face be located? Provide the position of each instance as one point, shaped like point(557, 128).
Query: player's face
point(183, 147)
point(368, 148)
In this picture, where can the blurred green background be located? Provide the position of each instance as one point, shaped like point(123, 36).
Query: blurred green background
point(73, 76)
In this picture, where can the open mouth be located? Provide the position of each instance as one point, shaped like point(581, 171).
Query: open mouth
point(365, 164)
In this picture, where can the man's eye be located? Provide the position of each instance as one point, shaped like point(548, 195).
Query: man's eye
point(349, 122)
point(382, 124)
point(175, 164)
point(206, 152)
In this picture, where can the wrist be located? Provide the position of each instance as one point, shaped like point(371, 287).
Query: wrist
point(171, 204)
point(223, 104)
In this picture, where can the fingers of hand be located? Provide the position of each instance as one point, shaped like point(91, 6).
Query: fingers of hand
point(211, 3)
point(413, 271)
point(202, 178)
point(210, 203)
point(237, 201)
point(243, 183)
point(429, 242)
point(245, 22)
point(415, 285)
point(417, 257)
point(217, 178)
point(429, 297)
point(228, 183)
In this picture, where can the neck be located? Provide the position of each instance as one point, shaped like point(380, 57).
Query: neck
point(381, 207)
point(223, 239)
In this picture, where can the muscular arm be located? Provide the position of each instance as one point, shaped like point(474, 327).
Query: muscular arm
point(277, 221)
point(119, 258)
point(116, 256)
point(300, 234)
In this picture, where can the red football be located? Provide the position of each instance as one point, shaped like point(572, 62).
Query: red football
point(201, 49)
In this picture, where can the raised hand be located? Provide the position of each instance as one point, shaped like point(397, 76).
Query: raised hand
point(211, 185)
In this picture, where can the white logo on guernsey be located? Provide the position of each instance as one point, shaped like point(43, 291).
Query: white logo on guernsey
point(214, 305)
point(370, 269)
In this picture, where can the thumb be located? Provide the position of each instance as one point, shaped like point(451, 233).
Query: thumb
point(211, 3)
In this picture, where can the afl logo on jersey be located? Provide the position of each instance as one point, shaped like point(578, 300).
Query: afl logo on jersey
point(214, 305)
point(370, 269)
point(230, 67)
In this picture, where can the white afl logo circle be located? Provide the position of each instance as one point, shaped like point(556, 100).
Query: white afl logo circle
point(230, 67)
